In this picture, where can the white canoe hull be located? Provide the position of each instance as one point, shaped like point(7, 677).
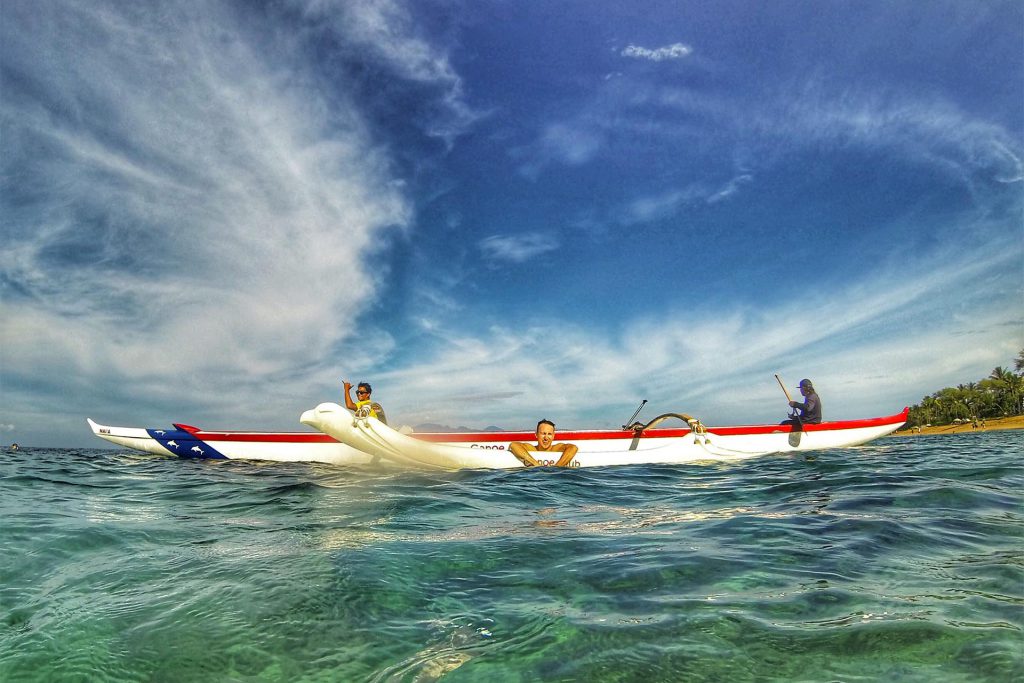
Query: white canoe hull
point(189, 442)
point(596, 448)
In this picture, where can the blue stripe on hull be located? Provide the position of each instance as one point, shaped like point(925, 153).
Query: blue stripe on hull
point(185, 445)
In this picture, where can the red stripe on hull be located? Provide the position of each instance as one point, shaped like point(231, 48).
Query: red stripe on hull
point(582, 435)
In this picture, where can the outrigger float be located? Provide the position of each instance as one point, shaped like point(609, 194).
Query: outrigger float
point(346, 439)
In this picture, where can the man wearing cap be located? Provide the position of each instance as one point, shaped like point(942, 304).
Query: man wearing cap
point(810, 409)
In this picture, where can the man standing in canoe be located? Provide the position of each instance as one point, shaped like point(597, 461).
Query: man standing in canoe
point(363, 391)
point(546, 444)
point(810, 409)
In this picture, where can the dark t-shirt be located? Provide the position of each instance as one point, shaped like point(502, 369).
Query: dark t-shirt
point(810, 409)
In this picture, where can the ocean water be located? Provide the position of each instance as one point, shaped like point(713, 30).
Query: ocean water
point(898, 561)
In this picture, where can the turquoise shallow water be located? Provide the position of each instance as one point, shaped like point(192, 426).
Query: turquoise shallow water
point(898, 561)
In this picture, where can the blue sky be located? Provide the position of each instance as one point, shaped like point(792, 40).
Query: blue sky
point(500, 211)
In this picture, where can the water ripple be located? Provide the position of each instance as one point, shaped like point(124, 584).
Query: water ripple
point(902, 560)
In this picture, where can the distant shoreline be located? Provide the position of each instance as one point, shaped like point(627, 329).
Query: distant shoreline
point(991, 425)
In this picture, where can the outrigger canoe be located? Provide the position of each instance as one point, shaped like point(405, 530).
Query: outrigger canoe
point(636, 444)
point(344, 439)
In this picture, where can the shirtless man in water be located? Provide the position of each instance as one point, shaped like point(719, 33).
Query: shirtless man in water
point(545, 443)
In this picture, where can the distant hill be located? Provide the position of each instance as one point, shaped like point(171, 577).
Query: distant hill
point(434, 427)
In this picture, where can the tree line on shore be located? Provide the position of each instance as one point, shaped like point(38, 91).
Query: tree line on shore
point(1001, 394)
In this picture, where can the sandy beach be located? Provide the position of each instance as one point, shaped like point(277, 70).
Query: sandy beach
point(991, 425)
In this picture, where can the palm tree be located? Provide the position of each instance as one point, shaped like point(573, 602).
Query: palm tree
point(1001, 393)
point(1008, 389)
point(1015, 393)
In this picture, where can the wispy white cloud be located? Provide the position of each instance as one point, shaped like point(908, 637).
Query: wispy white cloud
point(387, 31)
point(656, 207)
point(707, 362)
point(560, 143)
point(673, 51)
point(810, 114)
point(570, 146)
point(929, 131)
point(517, 248)
point(731, 188)
point(187, 206)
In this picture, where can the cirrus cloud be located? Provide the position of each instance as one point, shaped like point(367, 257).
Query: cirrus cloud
point(673, 51)
point(517, 248)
